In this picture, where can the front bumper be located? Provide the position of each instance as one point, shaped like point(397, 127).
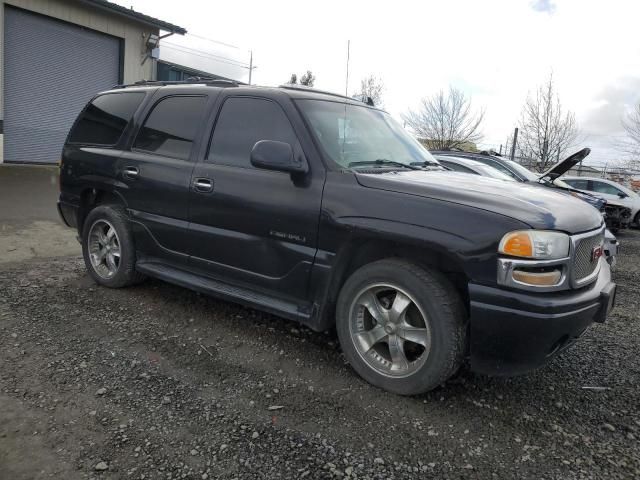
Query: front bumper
point(512, 332)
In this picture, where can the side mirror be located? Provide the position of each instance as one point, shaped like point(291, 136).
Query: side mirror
point(622, 195)
point(272, 155)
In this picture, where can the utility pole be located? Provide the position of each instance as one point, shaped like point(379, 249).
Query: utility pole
point(346, 86)
point(501, 149)
point(514, 143)
point(250, 65)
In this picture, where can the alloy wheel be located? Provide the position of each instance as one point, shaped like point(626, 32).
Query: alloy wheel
point(104, 249)
point(389, 330)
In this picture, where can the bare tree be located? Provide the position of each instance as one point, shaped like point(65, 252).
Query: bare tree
point(631, 125)
point(308, 79)
point(372, 87)
point(445, 121)
point(546, 129)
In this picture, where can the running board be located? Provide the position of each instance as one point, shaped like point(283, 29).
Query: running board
point(222, 290)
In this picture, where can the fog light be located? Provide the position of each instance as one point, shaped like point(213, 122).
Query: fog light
point(537, 278)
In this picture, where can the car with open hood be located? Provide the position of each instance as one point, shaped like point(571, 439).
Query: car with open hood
point(468, 163)
point(617, 216)
point(324, 210)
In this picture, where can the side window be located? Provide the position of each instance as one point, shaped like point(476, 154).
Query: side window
point(171, 126)
point(242, 122)
point(105, 118)
point(579, 184)
point(602, 187)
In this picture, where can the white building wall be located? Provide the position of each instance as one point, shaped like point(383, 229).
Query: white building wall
point(132, 32)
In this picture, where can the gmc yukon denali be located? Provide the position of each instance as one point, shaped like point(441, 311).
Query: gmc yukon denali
point(322, 209)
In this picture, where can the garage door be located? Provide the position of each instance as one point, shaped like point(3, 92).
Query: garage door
point(51, 70)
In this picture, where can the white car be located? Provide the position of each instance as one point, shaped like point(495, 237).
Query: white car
point(613, 192)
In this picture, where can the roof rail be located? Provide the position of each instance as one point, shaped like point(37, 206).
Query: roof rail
point(209, 81)
point(295, 86)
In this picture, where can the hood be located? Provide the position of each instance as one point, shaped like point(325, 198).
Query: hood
point(536, 205)
point(565, 165)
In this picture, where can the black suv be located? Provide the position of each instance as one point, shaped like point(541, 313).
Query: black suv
point(323, 210)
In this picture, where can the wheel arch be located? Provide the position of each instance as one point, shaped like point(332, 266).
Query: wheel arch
point(362, 251)
point(91, 198)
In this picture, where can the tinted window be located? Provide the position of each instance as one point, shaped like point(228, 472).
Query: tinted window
point(171, 127)
point(579, 184)
point(602, 187)
point(242, 123)
point(105, 118)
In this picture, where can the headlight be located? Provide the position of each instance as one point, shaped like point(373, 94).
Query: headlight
point(536, 244)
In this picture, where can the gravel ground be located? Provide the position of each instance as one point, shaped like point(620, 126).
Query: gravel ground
point(158, 382)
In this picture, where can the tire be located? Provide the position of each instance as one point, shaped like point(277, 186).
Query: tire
point(430, 331)
point(106, 236)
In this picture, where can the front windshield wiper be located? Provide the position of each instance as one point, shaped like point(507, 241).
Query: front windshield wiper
point(426, 163)
point(381, 162)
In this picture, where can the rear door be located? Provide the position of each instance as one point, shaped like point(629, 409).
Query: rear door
point(251, 226)
point(154, 175)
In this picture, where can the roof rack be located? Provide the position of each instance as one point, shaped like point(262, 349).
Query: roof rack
point(209, 81)
point(294, 86)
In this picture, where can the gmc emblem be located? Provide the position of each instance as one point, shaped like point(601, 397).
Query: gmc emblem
point(596, 253)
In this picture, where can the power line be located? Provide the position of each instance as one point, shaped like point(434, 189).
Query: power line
point(214, 41)
point(200, 53)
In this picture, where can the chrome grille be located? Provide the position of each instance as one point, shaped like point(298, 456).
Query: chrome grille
point(583, 262)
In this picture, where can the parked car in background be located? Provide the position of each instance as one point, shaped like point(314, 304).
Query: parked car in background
point(323, 210)
point(614, 193)
point(469, 165)
point(617, 216)
point(466, 165)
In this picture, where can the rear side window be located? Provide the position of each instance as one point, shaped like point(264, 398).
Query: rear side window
point(105, 118)
point(243, 122)
point(171, 127)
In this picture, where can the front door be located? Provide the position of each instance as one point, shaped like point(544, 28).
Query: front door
point(609, 192)
point(156, 173)
point(252, 226)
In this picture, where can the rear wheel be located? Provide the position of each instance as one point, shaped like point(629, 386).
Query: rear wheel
point(108, 248)
point(401, 327)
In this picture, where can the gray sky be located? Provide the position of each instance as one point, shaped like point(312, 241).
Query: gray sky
point(496, 51)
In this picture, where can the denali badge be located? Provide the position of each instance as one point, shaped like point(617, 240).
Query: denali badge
point(596, 253)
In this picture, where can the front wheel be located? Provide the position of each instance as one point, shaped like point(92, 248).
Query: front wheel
point(401, 327)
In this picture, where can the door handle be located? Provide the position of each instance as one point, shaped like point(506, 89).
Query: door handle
point(131, 172)
point(203, 185)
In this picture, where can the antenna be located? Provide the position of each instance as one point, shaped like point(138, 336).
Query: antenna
point(346, 87)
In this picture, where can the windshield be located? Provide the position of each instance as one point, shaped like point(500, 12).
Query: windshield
point(361, 137)
point(528, 174)
point(487, 171)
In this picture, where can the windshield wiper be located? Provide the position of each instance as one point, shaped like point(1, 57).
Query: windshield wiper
point(382, 162)
point(426, 163)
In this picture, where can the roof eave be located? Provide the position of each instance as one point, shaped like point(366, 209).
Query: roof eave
point(136, 16)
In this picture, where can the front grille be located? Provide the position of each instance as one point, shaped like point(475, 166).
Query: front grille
point(584, 263)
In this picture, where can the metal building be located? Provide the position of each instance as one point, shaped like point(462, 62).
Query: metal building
point(55, 55)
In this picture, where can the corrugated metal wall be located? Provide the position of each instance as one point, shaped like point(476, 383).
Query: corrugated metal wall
point(51, 70)
point(131, 32)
